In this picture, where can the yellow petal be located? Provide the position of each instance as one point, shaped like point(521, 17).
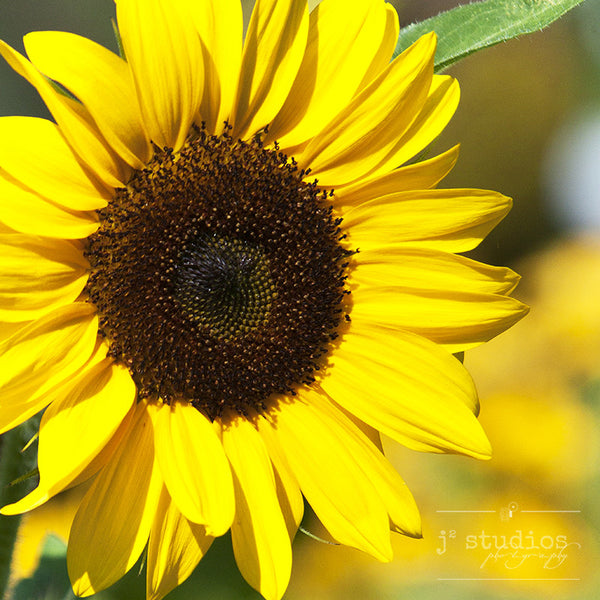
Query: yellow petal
point(386, 46)
point(408, 388)
point(41, 356)
point(9, 329)
point(76, 428)
point(458, 320)
point(35, 153)
point(437, 111)
point(344, 37)
point(40, 495)
point(108, 95)
point(113, 523)
point(395, 495)
point(288, 490)
point(75, 124)
point(27, 212)
point(453, 220)
point(417, 268)
point(261, 543)
point(165, 54)
point(106, 452)
point(220, 26)
point(38, 275)
point(321, 455)
point(361, 137)
point(418, 176)
point(273, 50)
point(194, 466)
point(175, 547)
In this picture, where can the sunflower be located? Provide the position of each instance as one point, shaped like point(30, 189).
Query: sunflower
point(222, 279)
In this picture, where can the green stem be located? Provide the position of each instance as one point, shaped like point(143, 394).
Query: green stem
point(13, 464)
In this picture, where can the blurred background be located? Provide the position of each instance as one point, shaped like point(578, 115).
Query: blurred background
point(524, 525)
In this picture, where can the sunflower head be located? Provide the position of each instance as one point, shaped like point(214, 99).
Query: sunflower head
point(218, 273)
point(225, 276)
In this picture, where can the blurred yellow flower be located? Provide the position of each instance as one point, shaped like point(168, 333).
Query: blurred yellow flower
point(536, 421)
point(542, 434)
point(52, 518)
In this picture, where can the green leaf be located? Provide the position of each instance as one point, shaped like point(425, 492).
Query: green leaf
point(466, 29)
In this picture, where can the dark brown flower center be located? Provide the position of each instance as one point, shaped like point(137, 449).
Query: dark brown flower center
point(218, 275)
